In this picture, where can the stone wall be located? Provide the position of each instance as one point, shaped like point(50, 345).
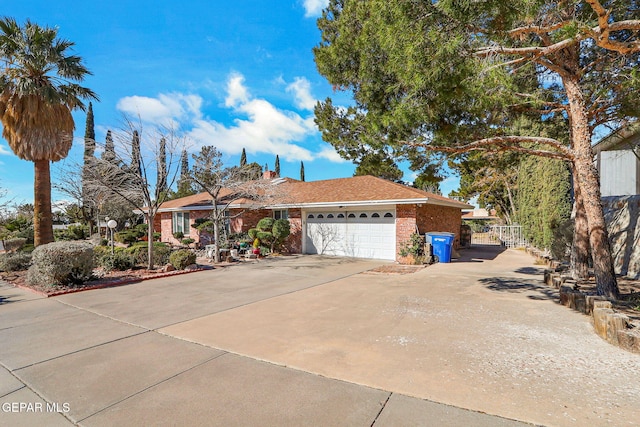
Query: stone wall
point(621, 214)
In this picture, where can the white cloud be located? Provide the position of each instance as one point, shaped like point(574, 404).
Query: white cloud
point(236, 91)
point(165, 110)
point(331, 154)
point(301, 89)
point(4, 151)
point(258, 125)
point(314, 7)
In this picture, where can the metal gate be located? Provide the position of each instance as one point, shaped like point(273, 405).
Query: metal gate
point(509, 236)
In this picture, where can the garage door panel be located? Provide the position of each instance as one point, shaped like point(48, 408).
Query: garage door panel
point(355, 234)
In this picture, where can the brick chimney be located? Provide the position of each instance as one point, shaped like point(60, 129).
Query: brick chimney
point(269, 174)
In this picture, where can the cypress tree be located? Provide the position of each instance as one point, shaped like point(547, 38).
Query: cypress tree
point(89, 135)
point(136, 158)
point(109, 153)
point(277, 168)
point(243, 158)
point(302, 171)
point(161, 182)
point(89, 151)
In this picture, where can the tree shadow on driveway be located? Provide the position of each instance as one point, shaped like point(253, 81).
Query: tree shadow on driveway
point(513, 285)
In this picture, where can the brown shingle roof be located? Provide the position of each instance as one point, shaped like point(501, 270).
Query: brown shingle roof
point(340, 190)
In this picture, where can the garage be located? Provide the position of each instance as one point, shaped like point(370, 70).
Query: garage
point(360, 234)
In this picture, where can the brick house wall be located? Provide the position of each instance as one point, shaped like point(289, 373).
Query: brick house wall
point(293, 244)
point(166, 226)
point(440, 218)
point(427, 218)
point(405, 225)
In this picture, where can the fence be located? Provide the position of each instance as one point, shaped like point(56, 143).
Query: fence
point(509, 236)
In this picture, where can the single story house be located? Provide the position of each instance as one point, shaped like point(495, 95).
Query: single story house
point(618, 162)
point(362, 216)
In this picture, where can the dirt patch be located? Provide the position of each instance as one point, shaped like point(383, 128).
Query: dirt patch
point(395, 269)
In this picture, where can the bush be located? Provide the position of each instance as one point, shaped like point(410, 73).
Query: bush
point(139, 251)
point(16, 244)
point(187, 241)
point(178, 235)
point(61, 263)
point(127, 236)
point(182, 258)
point(16, 261)
point(117, 261)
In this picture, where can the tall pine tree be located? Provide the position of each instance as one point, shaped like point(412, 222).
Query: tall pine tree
point(243, 158)
point(302, 171)
point(277, 167)
point(88, 210)
point(136, 159)
point(109, 153)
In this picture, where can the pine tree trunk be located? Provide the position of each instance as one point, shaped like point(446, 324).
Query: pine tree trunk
point(580, 246)
point(606, 284)
point(42, 217)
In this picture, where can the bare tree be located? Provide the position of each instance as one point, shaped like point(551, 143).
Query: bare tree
point(227, 185)
point(142, 184)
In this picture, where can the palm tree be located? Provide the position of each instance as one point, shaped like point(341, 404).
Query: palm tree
point(38, 90)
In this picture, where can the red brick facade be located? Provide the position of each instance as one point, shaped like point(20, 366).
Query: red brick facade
point(440, 218)
point(425, 217)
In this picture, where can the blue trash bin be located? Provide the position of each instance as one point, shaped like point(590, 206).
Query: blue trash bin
point(442, 244)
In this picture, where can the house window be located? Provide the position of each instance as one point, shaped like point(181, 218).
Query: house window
point(180, 222)
point(363, 215)
point(281, 214)
point(340, 215)
point(310, 216)
point(375, 215)
point(388, 215)
point(330, 216)
point(351, 215)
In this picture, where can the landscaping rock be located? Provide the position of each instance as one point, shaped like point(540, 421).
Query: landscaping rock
point(167, 268)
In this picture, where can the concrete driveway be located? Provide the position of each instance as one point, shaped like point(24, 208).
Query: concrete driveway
point(314, 341)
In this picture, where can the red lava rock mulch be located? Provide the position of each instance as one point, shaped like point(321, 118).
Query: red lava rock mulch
point(106, 279)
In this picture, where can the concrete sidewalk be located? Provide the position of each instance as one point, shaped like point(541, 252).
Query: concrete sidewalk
point(314, 341)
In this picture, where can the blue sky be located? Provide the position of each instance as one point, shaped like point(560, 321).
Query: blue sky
point(230, 74)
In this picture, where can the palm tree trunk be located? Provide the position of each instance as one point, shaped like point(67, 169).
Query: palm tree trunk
point(42, 217)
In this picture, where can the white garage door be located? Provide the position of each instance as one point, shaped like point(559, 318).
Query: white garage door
point(361, 234)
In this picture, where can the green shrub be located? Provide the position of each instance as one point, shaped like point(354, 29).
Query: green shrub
point(16, 244)
point(139, 251)
point(28, 248)
point(265, 224)
point(182, 258)
point(187, 241)
point(127, 236)
point(117, 261)
point(178, 235)
point(77, 232)
point(61, 263)
point(15, 261)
